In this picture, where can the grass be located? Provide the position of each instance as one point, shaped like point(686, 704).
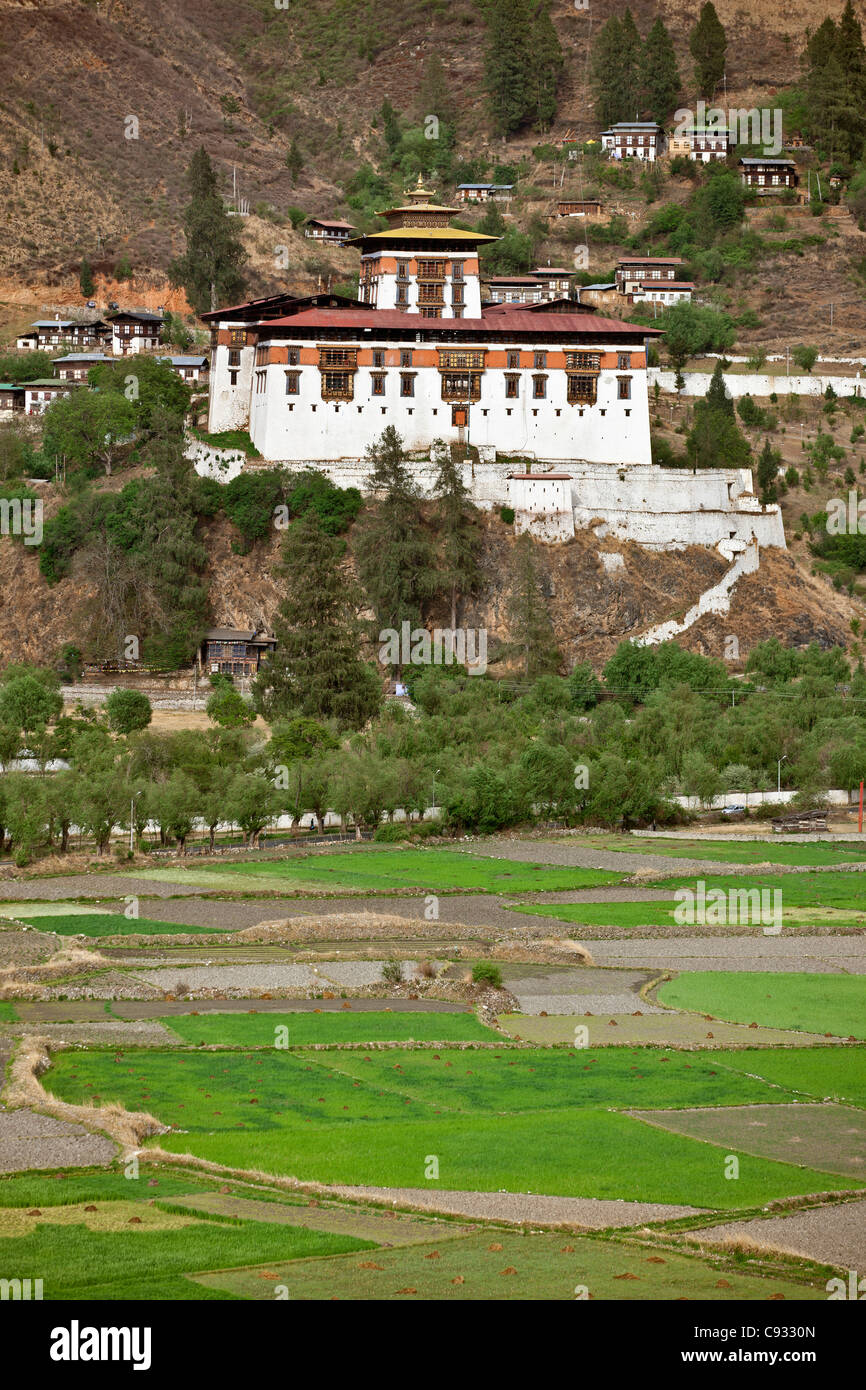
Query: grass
point(260, 1030)
point(428, 870)
point(7, 1012)
point(628, 915)
point(542, 1267)
point(811, 855)
point(843, 891)
point(95, 1185)
point(75, 1262)
point(811, 1003)
point(807, 899)
point(112, 924)
point(495, 1120)
point(819, 1073)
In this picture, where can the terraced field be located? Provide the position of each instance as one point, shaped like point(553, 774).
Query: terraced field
point(439, 1129)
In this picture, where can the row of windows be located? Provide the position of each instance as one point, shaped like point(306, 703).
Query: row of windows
point(430, 270)
point(456, 386)
point(431, 293)
point(460, 359)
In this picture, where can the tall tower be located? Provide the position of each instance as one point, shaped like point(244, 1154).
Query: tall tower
point(420, 264)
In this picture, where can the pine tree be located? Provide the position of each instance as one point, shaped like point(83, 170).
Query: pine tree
point(606, 75)
point(316, 670)
point(85, 278)
point(456, 518)
point(390, 125)
point(630, 67)
point(507, 59)
point(396, 561)
point(435, 99)
point(849, 45)
point(492, 223)
point(768, 469)
point(707, 44)
point(831, 117)
point(851, 57)
point(547, 60)
point(717, 397)
point(661, 78)
point(528, 617)
point(822, 44)
point(211, 267)
point(294, 161)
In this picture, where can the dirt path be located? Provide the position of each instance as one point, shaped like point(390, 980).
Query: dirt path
point(591, 1212)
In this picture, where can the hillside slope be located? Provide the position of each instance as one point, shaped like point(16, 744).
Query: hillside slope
point(592, 610)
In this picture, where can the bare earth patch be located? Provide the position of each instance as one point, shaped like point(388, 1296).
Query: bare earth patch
point(590, 1212)
point(829, 1137)
point(28, 1140)
point(834, 1235)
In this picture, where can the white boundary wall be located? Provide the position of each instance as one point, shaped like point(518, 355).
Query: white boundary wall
point(759, 384)
point(714, 600)
point(750, 799)
point(660, 508)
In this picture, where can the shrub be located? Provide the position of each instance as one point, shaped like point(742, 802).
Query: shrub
point(506, 514)
point(484, 972)
point(391, 834)
point(392, 972)
point(128, 711)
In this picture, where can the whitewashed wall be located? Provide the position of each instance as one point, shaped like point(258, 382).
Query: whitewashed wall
point(758, 384)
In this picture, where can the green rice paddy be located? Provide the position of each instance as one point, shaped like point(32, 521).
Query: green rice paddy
point(810, 1003)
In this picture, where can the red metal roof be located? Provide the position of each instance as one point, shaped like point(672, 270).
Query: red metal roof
point(543, 477)
point(516, 320)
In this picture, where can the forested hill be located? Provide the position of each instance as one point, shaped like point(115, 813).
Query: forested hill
point(250, 78)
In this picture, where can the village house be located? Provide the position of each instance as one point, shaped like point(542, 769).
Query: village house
point(76, 365)
point(233, 651)
point(634, 140)
point(188, 368)
point(59, 332)
point(39, 394)
point(579, 207)
point(700, 143)
point(768, 176)
point(328, 229)
point(11, 398)
point(133, 331)
point(556, 280)
point(484, 192)
point(601, 295)
point(545, 284)
point(652, 278)
point(514, 289)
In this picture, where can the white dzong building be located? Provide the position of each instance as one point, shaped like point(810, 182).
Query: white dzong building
point(318, 379)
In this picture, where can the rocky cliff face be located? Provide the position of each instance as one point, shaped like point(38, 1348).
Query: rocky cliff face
point(599, 592)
